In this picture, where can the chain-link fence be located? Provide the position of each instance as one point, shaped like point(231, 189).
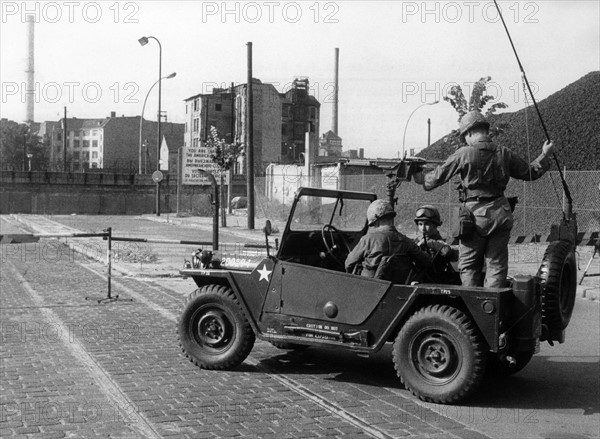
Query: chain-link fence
point(540, 202)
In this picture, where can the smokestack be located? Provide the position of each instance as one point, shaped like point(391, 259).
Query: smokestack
point(30, 92)
point(334, 121)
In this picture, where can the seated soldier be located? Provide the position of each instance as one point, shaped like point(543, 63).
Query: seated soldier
point(427, 219)
point(445, 266)
point(383, 252)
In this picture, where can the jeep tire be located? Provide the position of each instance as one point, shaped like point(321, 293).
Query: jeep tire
point(558, 273)
point(213, 331)
point(439, 354)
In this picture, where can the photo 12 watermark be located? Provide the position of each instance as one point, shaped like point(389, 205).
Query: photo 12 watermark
point(31, 331)
point(53, 252)
point(67, 412)
point(70, 12)
point(469, 12)
point(69, 92)
point(423, 92)
point(417, 414)
point(270, 12)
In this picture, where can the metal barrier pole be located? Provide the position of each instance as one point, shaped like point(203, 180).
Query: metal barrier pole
point(109, 261)
point(109, 298)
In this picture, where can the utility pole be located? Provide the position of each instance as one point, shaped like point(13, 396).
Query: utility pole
point(65, 141)
point(233, 165)
point(249, 142)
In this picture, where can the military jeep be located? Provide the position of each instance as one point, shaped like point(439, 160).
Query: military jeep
point(444, 336)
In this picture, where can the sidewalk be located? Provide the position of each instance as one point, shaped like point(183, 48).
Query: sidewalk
point(237, 225)
point(165, 260)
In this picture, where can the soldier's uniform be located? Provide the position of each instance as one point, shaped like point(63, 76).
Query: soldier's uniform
point(386, 241)
point(485, 170)
point(383, 252)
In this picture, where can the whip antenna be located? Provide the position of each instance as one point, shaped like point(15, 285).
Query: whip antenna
point(562, 178)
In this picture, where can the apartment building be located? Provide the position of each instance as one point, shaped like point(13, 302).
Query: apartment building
point(112, 142)
point(280, 121)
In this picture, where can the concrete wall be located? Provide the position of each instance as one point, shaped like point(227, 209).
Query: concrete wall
point(99, 193)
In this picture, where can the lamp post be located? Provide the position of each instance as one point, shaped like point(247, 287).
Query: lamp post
point(172, 75)
point(408, 120)
point(143, 41)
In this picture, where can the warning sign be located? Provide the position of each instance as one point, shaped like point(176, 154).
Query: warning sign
point(195, 159)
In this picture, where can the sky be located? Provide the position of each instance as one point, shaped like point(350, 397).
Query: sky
point(395, 56)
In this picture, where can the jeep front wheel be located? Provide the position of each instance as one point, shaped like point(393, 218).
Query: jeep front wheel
point(213, 331)
point(439, 354)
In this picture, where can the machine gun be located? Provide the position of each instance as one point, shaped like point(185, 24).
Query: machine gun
point(403, 171)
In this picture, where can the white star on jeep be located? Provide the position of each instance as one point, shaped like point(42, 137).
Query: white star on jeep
point(264, 273)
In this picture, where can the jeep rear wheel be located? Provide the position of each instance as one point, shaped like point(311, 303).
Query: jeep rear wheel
point(439, 354)
point(213, 330)
point(559, 284)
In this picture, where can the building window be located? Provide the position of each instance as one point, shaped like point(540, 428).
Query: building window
point(94, 144)
point(218, 107)
point(86, 143)
point(85, 133)
point(85, 155)
point(186, 126)
point(59, 135)
point(195, 104)
point(76, 155)
point(94, 154)
point(94, 165)
point(75, 143)
point(195, 143)
point(196, 125)
point(312, 112)
point(94, 133)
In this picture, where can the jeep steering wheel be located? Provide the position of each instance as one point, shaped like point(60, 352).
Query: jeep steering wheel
point(330, 244)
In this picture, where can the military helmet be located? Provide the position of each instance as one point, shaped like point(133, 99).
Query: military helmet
point(428, 213)
point(378, 209)
point(471, 120)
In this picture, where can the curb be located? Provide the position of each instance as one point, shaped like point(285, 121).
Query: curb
point(255, 235)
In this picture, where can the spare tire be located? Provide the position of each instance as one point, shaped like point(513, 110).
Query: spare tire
point(558, 273)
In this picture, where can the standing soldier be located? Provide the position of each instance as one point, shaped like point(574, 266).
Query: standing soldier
point(485, 170)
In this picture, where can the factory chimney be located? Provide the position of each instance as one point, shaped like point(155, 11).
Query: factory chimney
point(30, 91)
point(334, 121)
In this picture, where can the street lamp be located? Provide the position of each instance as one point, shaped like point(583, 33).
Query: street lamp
point(172, 75)
point(143, 41)
point(408, 120)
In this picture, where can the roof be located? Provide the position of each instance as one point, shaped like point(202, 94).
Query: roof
point(330, 135)
point(75, 124)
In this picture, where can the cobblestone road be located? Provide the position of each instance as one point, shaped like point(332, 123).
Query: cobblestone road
point(71, 367)
point(75, 368)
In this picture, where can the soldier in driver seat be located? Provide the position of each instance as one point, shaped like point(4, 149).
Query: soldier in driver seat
point(383, 252)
